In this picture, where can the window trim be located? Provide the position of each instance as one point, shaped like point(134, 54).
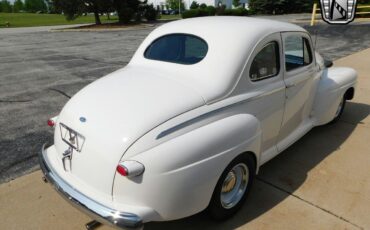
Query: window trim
point(278, 62)
point(185, 34)
point(307, 43)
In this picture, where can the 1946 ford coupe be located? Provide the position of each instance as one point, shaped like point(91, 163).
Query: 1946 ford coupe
point(187, 123)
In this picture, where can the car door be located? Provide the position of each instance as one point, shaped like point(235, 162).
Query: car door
point(264, 76)
point(299, 73)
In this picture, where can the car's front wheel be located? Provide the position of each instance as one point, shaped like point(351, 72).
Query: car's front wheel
point(233, 187)
point(340, 110)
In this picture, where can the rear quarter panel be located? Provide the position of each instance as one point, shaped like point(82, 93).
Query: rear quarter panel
point(181, 173)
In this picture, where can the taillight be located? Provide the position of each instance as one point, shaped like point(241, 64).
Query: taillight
point(122, 170)
point(52, 121)
point(130, 168)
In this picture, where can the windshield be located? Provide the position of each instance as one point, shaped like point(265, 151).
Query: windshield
point(177, 48)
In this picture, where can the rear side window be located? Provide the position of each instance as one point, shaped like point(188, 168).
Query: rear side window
point(297, 52)
point(177, 48)
point(266, 64)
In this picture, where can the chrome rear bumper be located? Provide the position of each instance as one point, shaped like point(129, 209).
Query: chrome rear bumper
point(87, 205)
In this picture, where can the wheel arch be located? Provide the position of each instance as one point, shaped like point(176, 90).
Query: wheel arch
point(335, 83)
point(350, 93)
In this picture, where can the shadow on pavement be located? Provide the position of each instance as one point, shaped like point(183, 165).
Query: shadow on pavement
point(283, 175)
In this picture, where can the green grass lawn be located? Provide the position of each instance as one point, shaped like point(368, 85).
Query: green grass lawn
point(170, 17)
point(29, 19)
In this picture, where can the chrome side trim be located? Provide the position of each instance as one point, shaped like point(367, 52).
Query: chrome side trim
point(211, 113)
point(97, 211)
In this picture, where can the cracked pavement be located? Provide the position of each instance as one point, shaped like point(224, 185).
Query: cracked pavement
point(312, 185)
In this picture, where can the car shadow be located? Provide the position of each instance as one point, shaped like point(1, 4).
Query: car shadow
point(283, 175)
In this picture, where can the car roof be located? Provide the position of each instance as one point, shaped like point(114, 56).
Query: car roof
point(230, 39)
point(234, 25)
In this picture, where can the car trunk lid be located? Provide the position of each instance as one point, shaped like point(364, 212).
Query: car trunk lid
point(109, 115)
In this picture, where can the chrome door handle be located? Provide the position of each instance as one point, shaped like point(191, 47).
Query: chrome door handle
point(290, 85)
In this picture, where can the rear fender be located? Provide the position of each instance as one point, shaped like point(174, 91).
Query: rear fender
point(181, 173)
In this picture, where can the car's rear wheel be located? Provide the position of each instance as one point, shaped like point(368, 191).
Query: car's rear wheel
point(232, 187)
point(340, 110)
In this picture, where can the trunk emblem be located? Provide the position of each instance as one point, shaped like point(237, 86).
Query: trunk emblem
point(72, 137)
point(74, 140)
point(82, 119)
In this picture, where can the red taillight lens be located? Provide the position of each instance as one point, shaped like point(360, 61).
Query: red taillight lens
point(130, 168)
point(51, 123)
point(122, 170)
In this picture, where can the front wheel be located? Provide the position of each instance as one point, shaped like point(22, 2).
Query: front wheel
point(340, 110)
point(233, 187)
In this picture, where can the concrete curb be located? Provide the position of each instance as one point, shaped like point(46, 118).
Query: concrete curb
point(136, 27)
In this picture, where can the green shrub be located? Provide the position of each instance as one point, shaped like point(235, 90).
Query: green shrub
point(228, 12)
point(125, 15)
point(239, 12)
point(194, 5)
point(280, 6)
point(192, 13)
point(220, 10)
point(203, 6)
point(233, 12)
point(203, 12)
point(251, 11)
point(211, 10)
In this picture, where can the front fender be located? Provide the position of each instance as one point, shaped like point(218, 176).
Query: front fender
point(181, 173)
point(333, 84)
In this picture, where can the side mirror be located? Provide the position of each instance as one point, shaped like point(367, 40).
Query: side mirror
point(328, 63)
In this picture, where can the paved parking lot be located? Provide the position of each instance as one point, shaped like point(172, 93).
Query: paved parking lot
point(37, 68)
point(319, 183)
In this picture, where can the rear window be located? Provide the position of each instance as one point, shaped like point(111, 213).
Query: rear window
point(177, 48)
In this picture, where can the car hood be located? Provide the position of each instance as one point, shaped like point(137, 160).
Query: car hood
point(115, 111)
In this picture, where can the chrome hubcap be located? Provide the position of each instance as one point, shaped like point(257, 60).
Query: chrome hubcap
point(234, 186)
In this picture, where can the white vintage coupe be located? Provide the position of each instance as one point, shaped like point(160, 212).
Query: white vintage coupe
point(187, 123)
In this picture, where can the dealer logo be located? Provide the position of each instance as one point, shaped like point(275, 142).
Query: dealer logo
point(338, 11)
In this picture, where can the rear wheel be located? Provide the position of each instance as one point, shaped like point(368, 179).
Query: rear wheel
point(233, 187)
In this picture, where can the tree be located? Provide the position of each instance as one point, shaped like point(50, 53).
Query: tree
point(280, 6)
point(70, 8)
point(174, 4)
point(236, 3)
point(106, 7)
point(18, 6)
point(5, 6)
point(51, 7)
point(34, 6)
point(75, 8)
point(194, 5)
point(128, 9)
